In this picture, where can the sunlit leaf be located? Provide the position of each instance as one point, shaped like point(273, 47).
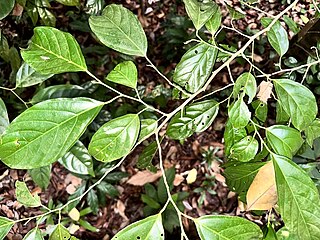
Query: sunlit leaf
point(60, 233)
point(34, 234)
point(239, 114)
point(244, 150)
point(4, 120)
point(313, 131)
point(214, 23)
point(232, 135)
point(25, 197)
point(5, 226)
point(147, 127)
point(247, 82)
point(69, 2)
point(124, 73)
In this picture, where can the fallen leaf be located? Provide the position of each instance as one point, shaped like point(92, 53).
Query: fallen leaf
point(264, 91)
point(73, 228)
point(120, 208)
point(72, 183)
point(143, 177)
point(74, 214)
point(262, 193)
point(178, 179)
point(192, 176)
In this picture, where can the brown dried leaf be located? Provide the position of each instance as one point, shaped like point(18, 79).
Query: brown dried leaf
point(178, 179)
point(143, 177)
point(264, 91)
point(262, 193)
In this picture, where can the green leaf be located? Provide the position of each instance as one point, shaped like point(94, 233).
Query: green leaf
point(277, 36)
point(312, 131)
point(25, 197)
point(298, 199)
point(234, 14)
point(60, 233)
point(244, 150)
point(108, 189)
point(115, 176)
point(93, 201)
point(69, 2)
point(261, 110)
point(124, 73)
point(162, 190)
point(239, 114)
point(46, 131)
point(5, 226)
point(147, 127)
point(120, 29)
point(196, 118)
point(281, 116)
point(232, 135)
point(34, 234)
point(5, 8)
point(115, 139)
point(248, 82)
point(150, 201)
point(297, 101)
point(4, 48)
point(225, 227)
point(145, 158)
point(149, 228)
point(4, 120)
point(214, 23)
point(199, 11)
point(284, 140)
point(291, 24)
point(52, 51)
point(195, 67)
point(41, 176)
point(271, 234)
point(27, 76)
point(47, 18)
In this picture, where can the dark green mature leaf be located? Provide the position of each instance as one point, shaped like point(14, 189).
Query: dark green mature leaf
point(93, 201)
point(120, 29)
point(4, 120)
point(162, 190)
point(47, 18)
point(244, 150)
point(284, 140)
point(4, 48)
point(60, 233)
point(312, 131)
point(41, 176)
point(149, 228)
point(248, 82)
point(297, 101)
point(232, 135)
point(27, 76)
point(277, 36)
point(214, 23)
point(281, 117)
point(195, 67)
point(78, 160)
point(124, 73)
point(69, 2)
point(25, 197)
point(145, 158)
point(225, 227)
point(115, 177)
point(115, 139)
point(5, 226)
point(52, 51)
point(298, 199)
point(34, 234)
point(46, 131)
point(199, 11)
point(6, 7)
point(147, 127)
point(196, 118)
point(94, 7)
point(239, 114)
point(108, 189)
point(261, 110)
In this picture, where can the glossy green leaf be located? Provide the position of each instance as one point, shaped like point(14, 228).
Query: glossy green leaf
point(297, 101)
point(261, 110)
point(34, 234)
point(312, 131)
point(196, 118)
point(214, 23)
point(60, 233)
point(78, 160)
point(247, 82)
point(277, 36)
point(226, 227)
point(149, 228)
point(124, 73)
point(25, 197)
point(239, 114)
point(108, 189)
point(147, 127)
point(120, 29)
point(195, 67)
point(244, 150)
point(4, 120)
point(5, 226)
point(27, 76)
point(6, 7)
point(284, 140)
point(115, 139)
point(52, 51)
point(41, 176)
point(93, 201)
point(145, 158)
point(232, 135)
point(69, 2)
point(46, 131)
point(298, 199)
point(281, 116)
point(199, 11)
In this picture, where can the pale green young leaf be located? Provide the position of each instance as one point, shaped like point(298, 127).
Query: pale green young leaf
point(46, 131)
point(60, 233)
point(6, 7)
point(284, 140)
point(120, 29)
point(52, 51)
point(69, 2)
point(199, 11)
point(78, 160)
point(34, 234)
point(298, 199)
point(232, 135)
point(115, 139)
point(25, 197)
point(5, 226)
point(313, 131)
point(214, 23)
point(195, 67)
point(149, 228)
point(248, 82)
point(215, 227)
point(27, 76)
point(147, 127)
point(239, 114)
point(297, 101)
point(197, 117)
point(124, 73)
point(244, 150)
point(4, 120)
point(41, 176)
point(277, 36)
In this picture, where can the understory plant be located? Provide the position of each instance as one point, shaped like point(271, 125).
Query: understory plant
point(261, 167)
